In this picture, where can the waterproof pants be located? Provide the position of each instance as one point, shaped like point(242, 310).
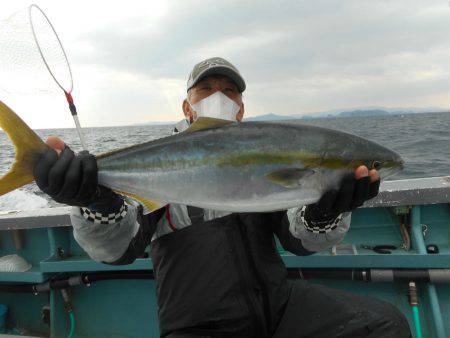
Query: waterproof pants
point(316, 311)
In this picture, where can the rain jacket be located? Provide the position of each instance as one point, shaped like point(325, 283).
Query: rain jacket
point(212, 270)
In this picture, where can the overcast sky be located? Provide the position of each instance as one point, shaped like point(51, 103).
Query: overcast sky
point(131, 59)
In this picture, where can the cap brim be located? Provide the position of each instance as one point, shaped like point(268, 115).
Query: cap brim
point(225, 71)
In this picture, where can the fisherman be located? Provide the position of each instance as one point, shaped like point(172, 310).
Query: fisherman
point(219, 274)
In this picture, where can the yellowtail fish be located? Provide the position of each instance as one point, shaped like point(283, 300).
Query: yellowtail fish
point(220, 165)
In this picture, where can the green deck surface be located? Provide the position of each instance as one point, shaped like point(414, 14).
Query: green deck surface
point(127, 308)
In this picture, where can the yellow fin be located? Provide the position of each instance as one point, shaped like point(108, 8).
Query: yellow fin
point(28, 146)
point(149, 204)
point(289, 177)
point(207, 123)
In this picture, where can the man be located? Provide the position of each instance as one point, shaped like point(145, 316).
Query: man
point(219, 274)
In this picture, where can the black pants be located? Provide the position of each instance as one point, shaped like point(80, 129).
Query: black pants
point(315, 311)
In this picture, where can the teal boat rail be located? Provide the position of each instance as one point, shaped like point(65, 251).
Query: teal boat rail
point(120, 301)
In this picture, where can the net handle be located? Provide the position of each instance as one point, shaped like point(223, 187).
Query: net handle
point(40, 50)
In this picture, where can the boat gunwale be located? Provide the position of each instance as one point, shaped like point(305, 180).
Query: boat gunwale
point(406, 192)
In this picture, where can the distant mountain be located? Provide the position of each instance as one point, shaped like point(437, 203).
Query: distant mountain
point(351, 112)
point(359, 112)
point(269, 117)
point(362, 110)
point(369, 111)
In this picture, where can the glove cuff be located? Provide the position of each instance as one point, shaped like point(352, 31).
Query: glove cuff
point(106, 201)
point(320, 226)
point(102, 217)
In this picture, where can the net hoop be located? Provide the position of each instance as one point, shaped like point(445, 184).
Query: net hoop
point(36, 40)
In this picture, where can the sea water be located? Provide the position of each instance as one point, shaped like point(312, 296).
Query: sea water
point(423, 140)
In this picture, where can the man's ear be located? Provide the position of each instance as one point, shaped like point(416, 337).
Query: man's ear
point(240, 114)
point(186, 108)
point(190, 114)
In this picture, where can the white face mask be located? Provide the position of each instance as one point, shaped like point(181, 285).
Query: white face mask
point(217, 105)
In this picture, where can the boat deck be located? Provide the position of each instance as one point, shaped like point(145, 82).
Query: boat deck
point(409, 214)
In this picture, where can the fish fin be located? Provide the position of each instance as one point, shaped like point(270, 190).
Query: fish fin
point(27, 145)
point(130, 148)
point(149, 204)
point(289, 177)
point(116, 151)
point(203, 123)
point(200, 124)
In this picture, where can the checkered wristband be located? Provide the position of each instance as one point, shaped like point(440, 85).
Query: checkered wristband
point(319, 227)
point(99, 218)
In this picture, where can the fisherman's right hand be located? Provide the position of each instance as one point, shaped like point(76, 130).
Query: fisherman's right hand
point(70, 178)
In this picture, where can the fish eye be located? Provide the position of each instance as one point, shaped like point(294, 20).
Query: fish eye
point(376, 165)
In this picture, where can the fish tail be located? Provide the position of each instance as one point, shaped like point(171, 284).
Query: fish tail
point(28, 147)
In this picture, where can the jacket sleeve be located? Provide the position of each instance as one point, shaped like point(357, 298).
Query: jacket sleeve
point(296, 238)
point(313, 241)
point(116, 243)
point(280, 226)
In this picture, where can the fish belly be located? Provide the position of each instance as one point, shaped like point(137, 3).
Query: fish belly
point(225, 189)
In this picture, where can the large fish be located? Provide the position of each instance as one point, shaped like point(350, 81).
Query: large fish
point(221, 165)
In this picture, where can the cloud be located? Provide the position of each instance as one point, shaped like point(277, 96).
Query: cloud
point(296, 56)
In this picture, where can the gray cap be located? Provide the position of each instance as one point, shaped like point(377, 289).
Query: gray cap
point(215, 66)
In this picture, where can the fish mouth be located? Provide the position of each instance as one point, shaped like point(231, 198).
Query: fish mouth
point(401, 164)
point(392, 167)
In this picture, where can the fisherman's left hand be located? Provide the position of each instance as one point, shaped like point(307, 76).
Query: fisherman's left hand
point(355, 189)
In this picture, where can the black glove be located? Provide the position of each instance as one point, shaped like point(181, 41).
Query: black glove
point(72, 179)
point(351, 195)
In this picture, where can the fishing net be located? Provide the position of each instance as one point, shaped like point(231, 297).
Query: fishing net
point(32, 58)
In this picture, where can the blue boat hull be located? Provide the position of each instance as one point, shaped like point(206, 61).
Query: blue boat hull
point(127, 307)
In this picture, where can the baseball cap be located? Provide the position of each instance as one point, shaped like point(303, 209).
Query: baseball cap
point(215, 66)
